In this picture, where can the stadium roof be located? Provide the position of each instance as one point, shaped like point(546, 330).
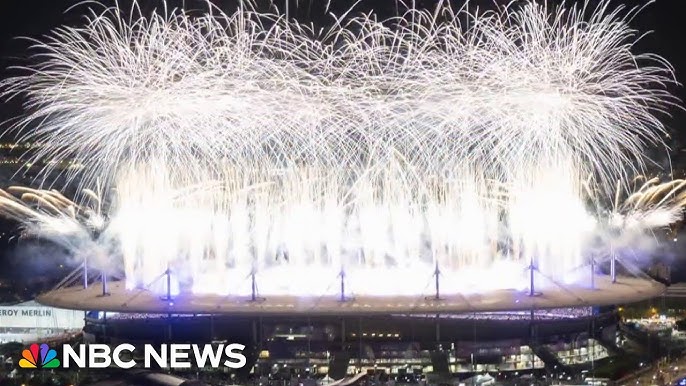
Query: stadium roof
point(120, 299)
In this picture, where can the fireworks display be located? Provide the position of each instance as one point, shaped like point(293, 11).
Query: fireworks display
point(230, 149)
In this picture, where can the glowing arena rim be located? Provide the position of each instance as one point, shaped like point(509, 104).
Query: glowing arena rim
point(120, 299)
point(245, 155)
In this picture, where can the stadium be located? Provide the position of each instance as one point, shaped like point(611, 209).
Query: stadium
point(511, 334)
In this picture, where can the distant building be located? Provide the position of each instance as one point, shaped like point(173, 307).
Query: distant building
point(661, 272)
point(31, 322)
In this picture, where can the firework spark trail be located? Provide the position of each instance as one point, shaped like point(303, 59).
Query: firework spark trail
point(167, 88)
point(654, 205)
point(50, 215)
point(245, 143)
point(428, 92)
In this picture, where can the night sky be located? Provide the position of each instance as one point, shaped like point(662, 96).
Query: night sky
point(35, 18)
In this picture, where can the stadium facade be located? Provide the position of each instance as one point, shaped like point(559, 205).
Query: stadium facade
point(554, 342)
point(556, 332)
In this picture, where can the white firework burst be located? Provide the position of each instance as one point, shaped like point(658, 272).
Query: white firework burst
point(238, 144)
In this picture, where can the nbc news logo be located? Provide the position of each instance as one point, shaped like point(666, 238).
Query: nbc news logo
point(98, 356)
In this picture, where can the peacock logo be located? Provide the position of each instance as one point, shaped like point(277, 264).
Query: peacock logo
point(39, 357)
